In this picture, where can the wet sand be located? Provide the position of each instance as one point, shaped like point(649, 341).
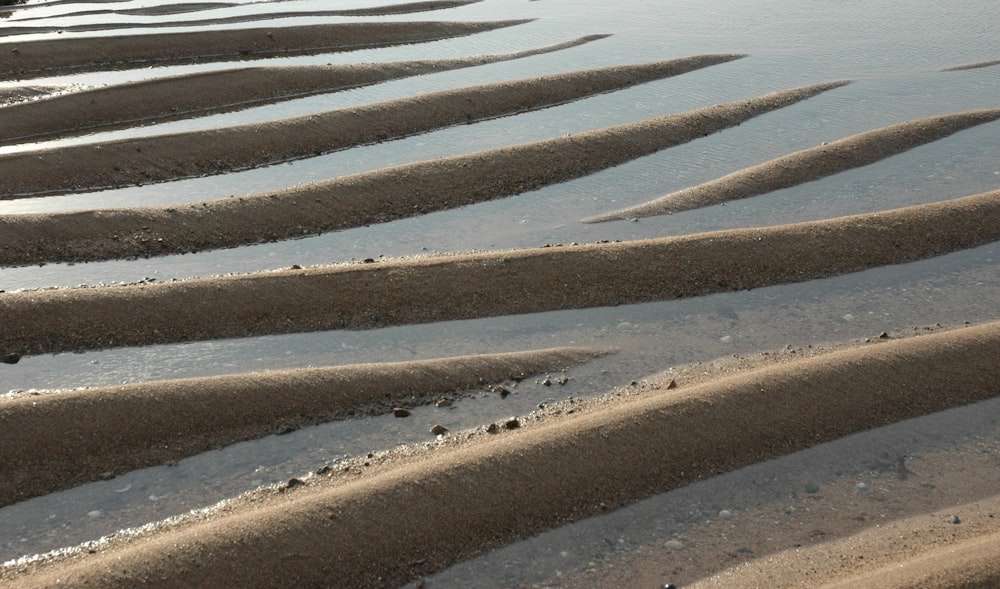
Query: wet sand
point(405, 291)
point(107, 431)
point(807, 165)
point(420, 509)
point(403, 514)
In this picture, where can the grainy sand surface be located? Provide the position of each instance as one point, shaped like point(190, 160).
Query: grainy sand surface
point(398, 516)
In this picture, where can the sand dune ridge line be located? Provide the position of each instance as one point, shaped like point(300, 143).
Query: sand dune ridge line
point(362, 296)
point(58, 440)
point(808, 164)
point(395, 524)
point(186, 96)
point(162, 158)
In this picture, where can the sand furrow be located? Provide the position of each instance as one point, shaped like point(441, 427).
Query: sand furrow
point(397, 521)
point(182, 97)
point(62, 439)
point(31, 59)
point(808, 165)
point(361, 296)
point(395, 9)
point(170, 157)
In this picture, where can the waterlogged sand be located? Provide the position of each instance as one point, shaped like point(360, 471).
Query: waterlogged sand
point(112, 430)
point(410, 513)
point(809, 164)
point(404, 514)
point(405, 291)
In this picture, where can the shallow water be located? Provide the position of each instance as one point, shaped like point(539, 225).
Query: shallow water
point(893, 51)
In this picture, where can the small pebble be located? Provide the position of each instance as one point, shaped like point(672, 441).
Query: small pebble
point(512, 423)
point(812, 488)
point(955, 519)
point(726, 514)
point(862, 488)
point(95, 513)
point(400, 412)
point(673, 544)
point(439, 430)
point(443, 403)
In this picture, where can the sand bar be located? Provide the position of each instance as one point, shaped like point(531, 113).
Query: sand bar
point(399, 292)
point(181, 97)
point(169, 157)
point(808, 164)
point(32, 59)
point(393, 522)
point(58, 440)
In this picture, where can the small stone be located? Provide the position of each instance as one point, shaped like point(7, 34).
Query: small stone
point(293, 482)
point(443, 403)
point(512, 423)
point(674, 544)
point(883, 335)
point(726, 514)
point(400, 412)
point(862, 488)
point(493, 429)
point(955, 519)
point(547, 381)
point(95, 514)
point(439, 430)
point(672, 384)
point(812, 488)
point(726, 339)
point(11, 358)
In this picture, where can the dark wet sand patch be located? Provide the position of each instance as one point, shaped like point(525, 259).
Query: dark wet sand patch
point(182, 97)
point(399, 292)
point(58, 440)
point(396, 9)
point(184, 155)
point(420, 510)
point(32, 59)
point(808, 164)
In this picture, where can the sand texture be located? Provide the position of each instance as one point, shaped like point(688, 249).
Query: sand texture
point(390, 523)
point(180, 97)
point(186, 8)
point(33, 59)
point(396, 516)
point(171, 157)
point(108, 431)
point(396, 292)
point(809, 164)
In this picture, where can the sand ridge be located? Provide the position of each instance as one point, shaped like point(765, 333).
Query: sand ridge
point(183, 155)
point(186, 96)
point(31, 59)
point(170, 9)
point(395, 292)
point(111, 430)
point(397, 523)
point(808, 164)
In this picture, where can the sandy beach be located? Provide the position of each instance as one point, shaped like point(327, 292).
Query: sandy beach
point(397, 516)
